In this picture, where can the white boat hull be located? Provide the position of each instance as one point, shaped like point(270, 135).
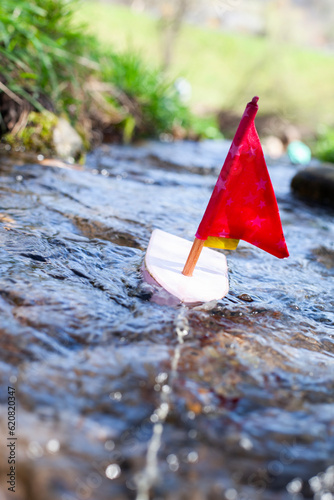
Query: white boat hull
point(165, 258)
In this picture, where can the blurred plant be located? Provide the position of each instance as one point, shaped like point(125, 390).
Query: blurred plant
point(47, 62)
point(206, 127)
point(42, 56)
point(324, 146)
point(145, 94)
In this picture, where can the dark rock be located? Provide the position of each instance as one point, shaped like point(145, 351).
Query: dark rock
point(245, 297)
point(315, 184)
point(38, 258)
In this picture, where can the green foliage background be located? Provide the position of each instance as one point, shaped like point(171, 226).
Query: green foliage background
point(47, 59)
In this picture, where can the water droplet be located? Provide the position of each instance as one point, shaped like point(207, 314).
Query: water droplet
point(40, 157)
point(246, 443)
point(329, 477)
point(162, 411)
point(231, 494)
point(295, 485)
point(113, 471)
point(154, 418)
point(117, 396)
point(173, 462)
point(105, 172)
point(19, 178)
point(166, 389)
point(326, 496)
point(161, 377)
point(53, 445)
point(109, 445)
point(315, 484)
point(192, 457)
point(13, 379)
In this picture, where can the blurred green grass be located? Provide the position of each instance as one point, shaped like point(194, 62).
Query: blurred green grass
point(48, 63)
point(224, 69)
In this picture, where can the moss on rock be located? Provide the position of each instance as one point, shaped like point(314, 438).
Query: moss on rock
point(36, 135)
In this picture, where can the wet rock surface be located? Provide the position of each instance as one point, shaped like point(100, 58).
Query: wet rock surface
point(119, 397)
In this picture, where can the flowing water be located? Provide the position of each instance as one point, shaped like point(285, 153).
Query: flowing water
point(119, 397)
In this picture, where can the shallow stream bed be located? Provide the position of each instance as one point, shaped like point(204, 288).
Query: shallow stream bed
point(118, 397)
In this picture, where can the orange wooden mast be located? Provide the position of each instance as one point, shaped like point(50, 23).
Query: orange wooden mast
point(193, 257)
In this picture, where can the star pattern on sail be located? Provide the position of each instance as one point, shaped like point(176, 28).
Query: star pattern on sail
point(235, 151)
point(261, 184)
point(250, 198)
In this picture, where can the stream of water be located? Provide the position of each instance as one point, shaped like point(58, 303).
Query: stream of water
point(118, 397)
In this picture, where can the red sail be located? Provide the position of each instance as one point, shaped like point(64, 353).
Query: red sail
point(243, 203)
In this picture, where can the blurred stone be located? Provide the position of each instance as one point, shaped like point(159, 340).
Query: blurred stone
point(315, 184)
point(273, 146)
point(325, 256)
point(299, 153)
point(66, 140)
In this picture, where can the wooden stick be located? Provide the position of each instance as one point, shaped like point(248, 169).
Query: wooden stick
point(193, 257)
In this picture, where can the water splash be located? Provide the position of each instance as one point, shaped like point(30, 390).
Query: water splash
point(147, 478)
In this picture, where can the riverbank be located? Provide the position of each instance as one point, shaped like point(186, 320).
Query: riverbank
point(50, 69)
point(79, 64)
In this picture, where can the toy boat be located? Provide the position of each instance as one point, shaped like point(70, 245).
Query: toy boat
point(242, 206)
point(165, 258)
